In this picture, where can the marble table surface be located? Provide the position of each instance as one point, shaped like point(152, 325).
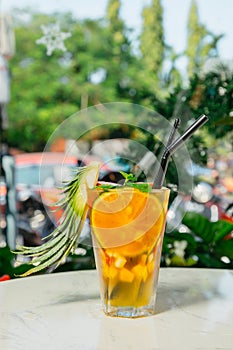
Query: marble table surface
point(62, 311)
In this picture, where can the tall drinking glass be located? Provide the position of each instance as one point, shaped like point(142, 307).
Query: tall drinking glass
point(127, 230)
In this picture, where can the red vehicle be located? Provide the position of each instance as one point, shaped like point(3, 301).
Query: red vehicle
point(43, 173)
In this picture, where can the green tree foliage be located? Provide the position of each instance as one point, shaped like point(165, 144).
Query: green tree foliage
point(47, 89)
point(99, 66)
point(212, 94)
point(120, 66)
point(201, 43)
point(152, 44)
point(39, 89)
point(115, 23)
point(173, 77)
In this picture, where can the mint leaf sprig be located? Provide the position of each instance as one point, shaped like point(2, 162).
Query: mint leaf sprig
point(130, 181)
point(143, 187)
point(129, 177)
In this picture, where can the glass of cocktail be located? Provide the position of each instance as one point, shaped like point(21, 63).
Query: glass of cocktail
point(127, 223)
point(127, 230)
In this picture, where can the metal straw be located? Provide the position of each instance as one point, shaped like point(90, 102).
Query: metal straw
point(170, 149)
point(148, 158)
point(173, 132)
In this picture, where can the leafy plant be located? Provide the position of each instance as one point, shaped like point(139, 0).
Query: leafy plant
point(7, 264)
point(207, 244)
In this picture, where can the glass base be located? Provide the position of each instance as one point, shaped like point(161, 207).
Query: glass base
point(130, 312)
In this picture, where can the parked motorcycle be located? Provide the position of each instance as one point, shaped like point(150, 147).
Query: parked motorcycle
point(33, 222)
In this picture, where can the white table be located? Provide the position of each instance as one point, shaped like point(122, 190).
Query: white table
point(62, 311)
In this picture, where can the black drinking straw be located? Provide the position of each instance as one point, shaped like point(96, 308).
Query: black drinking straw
point(173, 132)
point(170, 149)
point(145, 159)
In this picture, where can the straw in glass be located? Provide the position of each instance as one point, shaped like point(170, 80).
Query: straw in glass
point(175, 126)
point(148, 158)
point(170, 149)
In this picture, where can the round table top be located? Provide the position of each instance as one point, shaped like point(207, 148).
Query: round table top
point(63, 311)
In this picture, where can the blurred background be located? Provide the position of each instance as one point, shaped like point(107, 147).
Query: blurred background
point(175, 58)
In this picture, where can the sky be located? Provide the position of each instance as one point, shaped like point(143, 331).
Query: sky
point(215, 14)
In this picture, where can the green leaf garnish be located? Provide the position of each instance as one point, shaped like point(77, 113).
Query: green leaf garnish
point(64, 238)
point(128, 177)
point(130, 181)
point(143, 187)
point(107, 186)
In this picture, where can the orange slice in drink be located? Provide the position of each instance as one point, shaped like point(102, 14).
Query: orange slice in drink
point(127, 221)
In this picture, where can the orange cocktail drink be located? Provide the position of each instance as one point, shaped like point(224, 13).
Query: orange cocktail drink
point(127, 229)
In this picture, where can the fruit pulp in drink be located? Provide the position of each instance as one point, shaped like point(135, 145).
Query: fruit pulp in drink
point(127, 229)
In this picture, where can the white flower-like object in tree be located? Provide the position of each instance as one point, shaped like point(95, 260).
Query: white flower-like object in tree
point(179, 248)
point(53, 38)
